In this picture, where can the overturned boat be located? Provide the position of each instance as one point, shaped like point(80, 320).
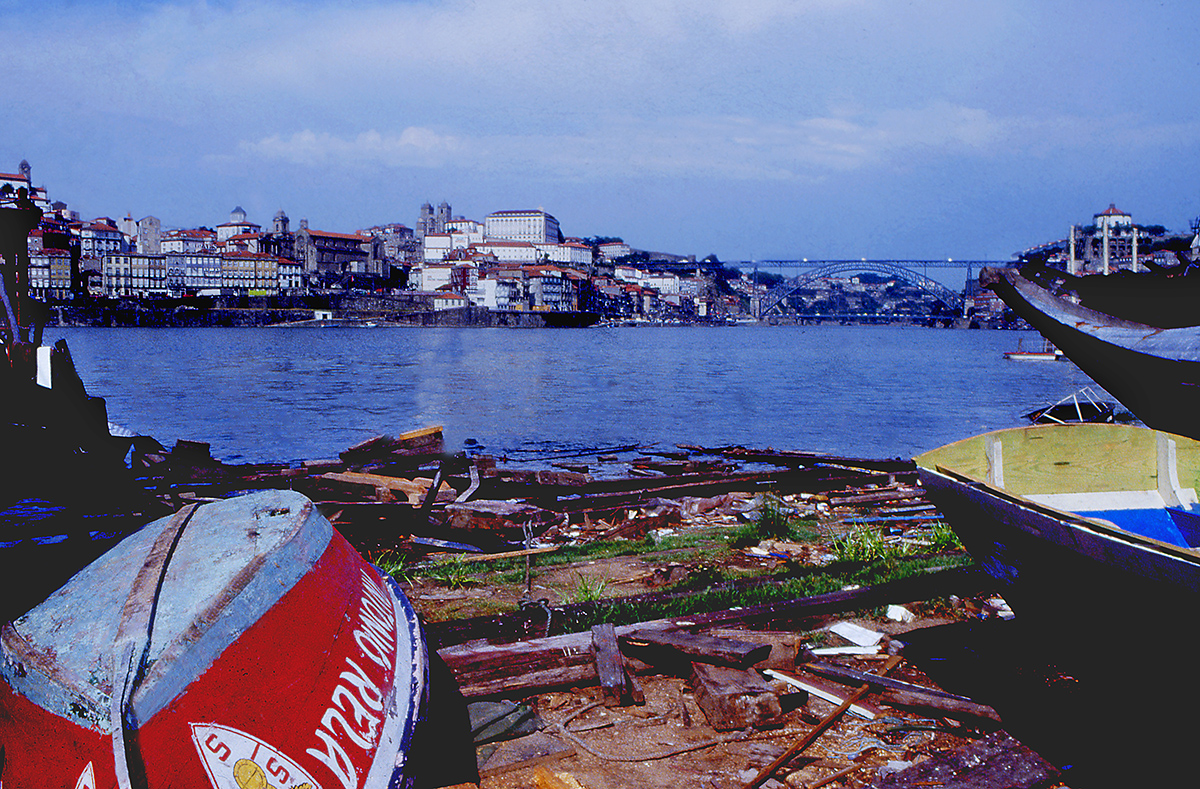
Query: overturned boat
point(241, 644)
point(1077, 520)
point(1152, 371)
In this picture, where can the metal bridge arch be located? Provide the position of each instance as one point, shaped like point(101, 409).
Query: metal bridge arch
point(777, 294)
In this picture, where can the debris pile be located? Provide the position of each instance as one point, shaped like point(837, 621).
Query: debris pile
point(778, 693)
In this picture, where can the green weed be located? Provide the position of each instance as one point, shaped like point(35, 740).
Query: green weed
point(397, 564)
point(772, 523)
point(944, 538)
point(452, 573)
point(867, 545)
point(588, 590)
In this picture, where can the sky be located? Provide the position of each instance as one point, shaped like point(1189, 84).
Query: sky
point(745, 129)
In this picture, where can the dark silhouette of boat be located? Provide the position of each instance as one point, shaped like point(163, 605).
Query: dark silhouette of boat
point(1153, 371)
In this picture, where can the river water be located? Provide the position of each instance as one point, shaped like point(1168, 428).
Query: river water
point(293, 394)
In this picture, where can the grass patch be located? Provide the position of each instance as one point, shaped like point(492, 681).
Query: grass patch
point(588, 590)
point(452, 573)
point(944, 538)
point(868, 545)
point(620, 612)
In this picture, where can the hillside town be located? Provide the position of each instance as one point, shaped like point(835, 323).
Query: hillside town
point(513, 261)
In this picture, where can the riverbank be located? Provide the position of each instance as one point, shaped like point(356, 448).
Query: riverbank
point(353, 309)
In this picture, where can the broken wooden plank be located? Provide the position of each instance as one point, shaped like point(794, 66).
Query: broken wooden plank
point(848, 675)
point(734, 698)
point(656, 646)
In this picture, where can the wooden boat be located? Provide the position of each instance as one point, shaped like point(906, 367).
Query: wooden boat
point(1163, 297)
point(1077, 521)
point(1153, 372)
point(241, 644)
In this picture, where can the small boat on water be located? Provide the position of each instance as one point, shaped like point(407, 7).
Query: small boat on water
point(1048, 353)
point(1152, 371)
point(241, 644)
point(1077, 520)
point(1081, 406)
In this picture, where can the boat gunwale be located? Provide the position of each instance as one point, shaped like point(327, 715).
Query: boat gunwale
point(1097, 526)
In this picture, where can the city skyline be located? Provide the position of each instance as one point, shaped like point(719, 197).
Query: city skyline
point(748, 130)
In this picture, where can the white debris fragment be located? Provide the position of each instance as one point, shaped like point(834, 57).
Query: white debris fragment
point(855, 634)
point(898, 613)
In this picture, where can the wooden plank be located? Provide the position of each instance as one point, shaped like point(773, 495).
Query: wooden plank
point(422, 432)
point(610, 667)
point(484, 557)
point(519, 625)
point(657, 645)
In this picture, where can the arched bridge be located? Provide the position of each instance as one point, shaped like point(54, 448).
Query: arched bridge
point(778, 294)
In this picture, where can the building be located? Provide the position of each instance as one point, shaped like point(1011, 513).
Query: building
point(237, 225)
point(23, 178)
point(249, 274)
point(50, 274)
point(429, 221)
point(189, 240)
point(149, 236)
point(1112, 242)
point(135, 274)
point(195, 273)
point(531, 226)
point(327, 255)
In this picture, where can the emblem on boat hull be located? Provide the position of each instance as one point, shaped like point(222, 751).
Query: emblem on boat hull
point(236, 760)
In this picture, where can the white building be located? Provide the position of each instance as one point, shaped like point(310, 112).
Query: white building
point(97, 239)
point(497, 293)
point(194, 273)
point(133, 274)
point(571, 254)
point(614, 250)
point(519, 252)
point(532, 226)
point(236, 225)
point(435, 247)
point(181, 241)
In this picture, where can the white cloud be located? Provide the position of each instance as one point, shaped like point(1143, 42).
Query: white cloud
point(413, 147)
point(740, 148)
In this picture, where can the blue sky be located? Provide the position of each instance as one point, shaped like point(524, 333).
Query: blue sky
point(749, 129)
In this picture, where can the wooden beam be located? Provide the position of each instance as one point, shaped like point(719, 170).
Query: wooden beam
point(610, 666)
point(656, 645)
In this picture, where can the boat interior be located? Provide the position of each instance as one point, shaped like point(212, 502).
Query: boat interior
point(1138, 480)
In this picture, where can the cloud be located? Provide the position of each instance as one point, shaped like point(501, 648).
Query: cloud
point(740, 148)
point(412, 147)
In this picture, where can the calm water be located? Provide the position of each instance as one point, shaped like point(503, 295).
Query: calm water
point(293, 394)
